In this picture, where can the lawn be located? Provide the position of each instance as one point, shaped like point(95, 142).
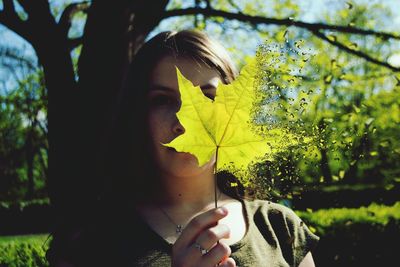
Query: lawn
point(24, 250)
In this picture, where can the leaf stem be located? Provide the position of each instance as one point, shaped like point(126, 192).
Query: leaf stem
point(215, 181)
point(215, 178)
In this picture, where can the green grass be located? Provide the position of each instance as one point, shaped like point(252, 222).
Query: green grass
point(374, 214)
point(40, 238)
point(23, 251)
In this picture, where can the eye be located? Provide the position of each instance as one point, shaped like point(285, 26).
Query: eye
point(160, 100)
point(163, 100)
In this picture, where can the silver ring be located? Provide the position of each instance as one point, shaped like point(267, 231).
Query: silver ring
point(202, 250)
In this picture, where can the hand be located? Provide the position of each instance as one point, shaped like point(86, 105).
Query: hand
point(205, 231)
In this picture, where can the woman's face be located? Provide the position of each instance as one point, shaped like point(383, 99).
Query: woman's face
point(164, 103)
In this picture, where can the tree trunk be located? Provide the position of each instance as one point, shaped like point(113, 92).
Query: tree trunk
point(111, 33)
point(29, 154)
point(324, 163)
point(54, 56)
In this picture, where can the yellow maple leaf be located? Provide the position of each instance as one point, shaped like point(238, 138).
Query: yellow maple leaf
point(225, 126)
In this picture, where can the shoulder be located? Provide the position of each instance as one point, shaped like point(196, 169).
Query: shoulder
point(278, 215)
point(272, 210)
point(282, 224)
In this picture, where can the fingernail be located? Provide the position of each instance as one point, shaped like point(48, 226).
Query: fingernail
point(222, 210)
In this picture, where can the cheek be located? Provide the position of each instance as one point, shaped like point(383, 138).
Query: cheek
point(158, 121)
point(153, 124)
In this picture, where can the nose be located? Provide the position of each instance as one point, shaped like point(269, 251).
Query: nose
point(178, 127)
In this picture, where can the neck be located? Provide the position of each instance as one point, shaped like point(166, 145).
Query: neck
point(187, 194)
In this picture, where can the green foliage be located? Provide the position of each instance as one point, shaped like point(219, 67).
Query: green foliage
point(350, 108)
point(355, 237)
point(23, 139)
point(23, 251)
point(326, 220)
point(21, 205)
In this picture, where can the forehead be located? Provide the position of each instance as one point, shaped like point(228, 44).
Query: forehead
point(164, 72)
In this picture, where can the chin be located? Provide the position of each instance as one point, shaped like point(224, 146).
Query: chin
point(187, 160)
point(184, 164)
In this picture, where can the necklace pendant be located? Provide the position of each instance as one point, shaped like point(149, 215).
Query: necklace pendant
point(179, 229)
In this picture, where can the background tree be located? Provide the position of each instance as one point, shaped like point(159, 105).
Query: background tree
point(23, 128)
point(80, 99)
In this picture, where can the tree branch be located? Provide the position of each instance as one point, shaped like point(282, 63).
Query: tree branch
point(74, 42)
point(208, 4)
point(10, 19)
point(37, 10)
point(66, 17)
point(288, 22)
point(15, 55)
point(36, 26)
point(234, 5)
point(8, 6)
point(315, 28)
point(42, 127)
point(43, 162)
point(354, 52)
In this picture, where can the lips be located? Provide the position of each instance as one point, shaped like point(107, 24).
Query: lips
point(174, 150)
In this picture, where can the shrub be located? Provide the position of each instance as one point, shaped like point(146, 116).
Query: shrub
point(351, 196)
point(27, 217)
point(349, 237)
point(366, 236)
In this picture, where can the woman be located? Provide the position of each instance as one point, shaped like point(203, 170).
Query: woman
point(157, 208)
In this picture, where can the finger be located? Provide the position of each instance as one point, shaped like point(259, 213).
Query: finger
point(217, 254)
point(229, 262)
point(210, 236)
point(206, 241)
point(198, 224)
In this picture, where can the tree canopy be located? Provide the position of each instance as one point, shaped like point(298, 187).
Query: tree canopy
point(331, 67)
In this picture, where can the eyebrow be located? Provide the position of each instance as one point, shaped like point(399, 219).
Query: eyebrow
point(207, 86)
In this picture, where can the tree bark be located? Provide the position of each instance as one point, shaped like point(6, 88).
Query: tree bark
point(54, 56)
point(29, 154)
point(324, 162)
point(113, 33)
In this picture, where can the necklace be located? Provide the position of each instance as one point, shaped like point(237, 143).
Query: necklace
point(179, 227)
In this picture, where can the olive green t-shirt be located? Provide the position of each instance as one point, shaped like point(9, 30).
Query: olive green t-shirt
point(275, 237)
